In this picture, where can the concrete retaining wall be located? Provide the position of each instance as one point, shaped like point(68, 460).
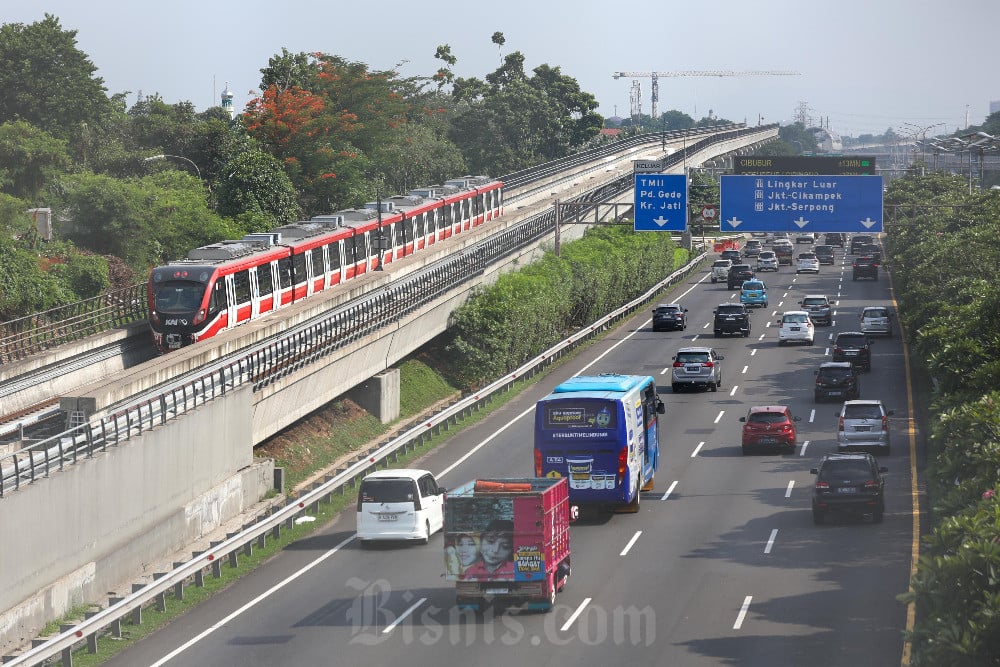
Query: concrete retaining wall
point(98, 525)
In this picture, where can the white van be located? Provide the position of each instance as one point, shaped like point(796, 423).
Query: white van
point(402, 504)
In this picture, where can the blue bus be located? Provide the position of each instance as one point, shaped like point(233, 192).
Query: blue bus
point(600, 431)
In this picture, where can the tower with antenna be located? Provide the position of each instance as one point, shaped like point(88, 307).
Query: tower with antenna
point(227, 102)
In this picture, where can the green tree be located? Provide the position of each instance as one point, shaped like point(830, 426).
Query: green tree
point(512, 120)
point(29, 158)
point(46, 80)
point(144, 221)
point(257, 191)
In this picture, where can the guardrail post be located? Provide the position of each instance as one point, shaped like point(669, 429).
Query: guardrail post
point(137, 612)
point(233, 555)
point(179, 586)
point(199, 576)
point(92, 637)
point(216, 563)
point(116, 625)
point(67, 653)
point(161, 599)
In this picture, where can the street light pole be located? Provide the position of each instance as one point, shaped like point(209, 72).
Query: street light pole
point(157, 158)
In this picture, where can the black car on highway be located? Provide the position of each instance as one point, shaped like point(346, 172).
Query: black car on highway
point(669, 317)
point(838, 380)
point(864, 267)
point(855, 347)
point(849, 483)
point(824, 253)
point(731, 318)
point(738, 273)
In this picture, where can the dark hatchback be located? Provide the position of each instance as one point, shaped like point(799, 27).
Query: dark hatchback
point(855, 347)
point(838, 380)
point(669, 317)
point(824, 253)
point(849, 483)
point(835, 238)
point(738, 273)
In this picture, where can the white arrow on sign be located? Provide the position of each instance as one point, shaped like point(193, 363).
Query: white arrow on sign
point(734, 222)
point(869, 223)
point(801, 222)
point(661, 221)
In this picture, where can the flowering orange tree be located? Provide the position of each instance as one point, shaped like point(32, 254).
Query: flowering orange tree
point(324, 124)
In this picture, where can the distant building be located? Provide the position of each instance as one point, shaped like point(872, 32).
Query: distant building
point(611, 132)
point(827, 141)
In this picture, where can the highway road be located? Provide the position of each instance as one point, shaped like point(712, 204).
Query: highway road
point(721, 566)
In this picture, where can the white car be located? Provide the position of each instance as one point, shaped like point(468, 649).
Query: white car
point(805, 237)
point(876, 320)
point(400, 504)
point(767, 261)
point(795, 326)
point(808, 262)
point(720, 269)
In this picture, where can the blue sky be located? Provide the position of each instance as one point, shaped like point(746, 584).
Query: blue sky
point(865, 65)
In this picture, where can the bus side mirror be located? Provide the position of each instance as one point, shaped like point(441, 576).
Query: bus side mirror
point(660, 407)
point(574, 513)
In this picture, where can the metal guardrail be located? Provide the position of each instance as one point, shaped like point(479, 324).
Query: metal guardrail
point(87, 631)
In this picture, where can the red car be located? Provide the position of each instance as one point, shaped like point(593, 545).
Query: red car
point(769, 427)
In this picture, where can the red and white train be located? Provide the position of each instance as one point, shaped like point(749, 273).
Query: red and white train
point(225, 284)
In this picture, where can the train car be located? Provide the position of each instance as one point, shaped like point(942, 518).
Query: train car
point(225, 284)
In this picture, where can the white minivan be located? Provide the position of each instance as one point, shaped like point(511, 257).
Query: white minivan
point(401, 504)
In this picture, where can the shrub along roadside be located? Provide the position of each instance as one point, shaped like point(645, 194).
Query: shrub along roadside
point(941, 246)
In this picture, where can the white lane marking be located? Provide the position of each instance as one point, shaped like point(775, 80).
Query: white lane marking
point(761, 337)
point(805, 444)
point(733, 392)
point(665, 370)
point(783, 296)
point(695, 337)
point(669, 491)
point(721, 412)
point(788, 491)
point(697, 449)
point(402, 616)
point(745, 368)
point(278, 586)
point(743, 612)
point(573, 617)
point(631, 542)
point(812, 415)
point(753, 352)
point(770, 542)
point(706, 325)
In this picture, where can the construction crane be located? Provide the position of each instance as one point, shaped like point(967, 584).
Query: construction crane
point(636, 108)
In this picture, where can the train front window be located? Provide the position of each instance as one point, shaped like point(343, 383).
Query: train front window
point(178, 297)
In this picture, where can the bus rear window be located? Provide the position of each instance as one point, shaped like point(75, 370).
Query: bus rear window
point(580, 414)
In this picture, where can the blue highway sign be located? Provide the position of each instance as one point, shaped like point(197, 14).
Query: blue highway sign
point(661, 202)
point(794, 203)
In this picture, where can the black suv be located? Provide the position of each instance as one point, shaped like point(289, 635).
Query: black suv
point(824, 253)
point(860, 240)
point(669, 317)
point(855, 347)
point(732, 253)
point(871, 250)
point(837, 379)
point(738, 273)
point(864, 267)
point(732, 318)
point(835, 238)
point(850, 483)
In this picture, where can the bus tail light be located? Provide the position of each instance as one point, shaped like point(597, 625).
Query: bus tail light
point(622, 465)
point(538, 463)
